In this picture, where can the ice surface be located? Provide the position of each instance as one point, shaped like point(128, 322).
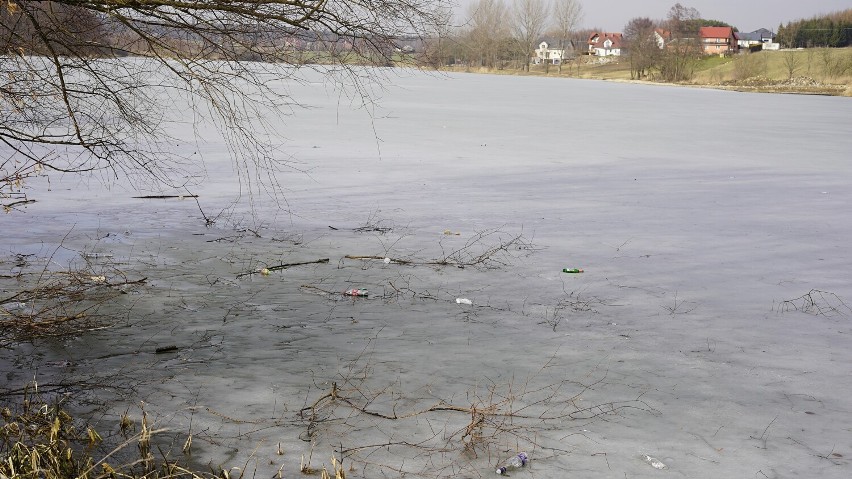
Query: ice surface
point(694, 213)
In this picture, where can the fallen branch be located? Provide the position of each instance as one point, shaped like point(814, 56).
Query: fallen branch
point(320, 290)
point(382, 258)
point(59, 304)
point(269, 269)
point(164, 197)
point(334, 395)
point(434, 262)
point(476, 252)
point(9, 206)
point(818, 303)
point(515, 413)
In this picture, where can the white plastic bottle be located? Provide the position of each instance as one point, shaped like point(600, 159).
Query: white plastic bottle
point(516, 462)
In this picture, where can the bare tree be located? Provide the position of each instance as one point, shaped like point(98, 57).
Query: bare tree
point(792, 61)
point(643, 50)
point(682, 21)
point(566, 15)
point(70, 103)
point(529, 21)
point(810, 51)
point(684, 50)
point(438, 47)
point(678, 61)
point(833, 62)
point(487, 30)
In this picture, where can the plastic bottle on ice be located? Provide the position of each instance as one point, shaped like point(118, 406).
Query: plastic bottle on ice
point(654, 462)
point(516, 462)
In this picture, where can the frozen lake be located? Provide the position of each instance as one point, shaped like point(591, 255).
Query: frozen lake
point(709, 329)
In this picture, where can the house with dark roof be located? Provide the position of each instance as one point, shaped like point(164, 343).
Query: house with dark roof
point(761, 38)
point(718, 40)
point(605, 44)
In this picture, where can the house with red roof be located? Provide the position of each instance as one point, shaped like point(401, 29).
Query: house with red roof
point(605, 44)
point(718, 40)
point(662, 37)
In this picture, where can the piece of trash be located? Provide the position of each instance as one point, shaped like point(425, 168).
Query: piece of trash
point(97, 255)
point(464, 301)
point(572, 270)
point(654, 462)
point(450, 233)
point(61, 364)
point(265, 271)
point(387, 260)
point(98, 279)
point(516, 462)
point(356, 292)
point(15, 306)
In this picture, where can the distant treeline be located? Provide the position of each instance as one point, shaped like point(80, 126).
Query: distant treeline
point(833, 30)
point(61, 28)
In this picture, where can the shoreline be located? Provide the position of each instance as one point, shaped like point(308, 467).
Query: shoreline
point(762, 85)
point(775, 87)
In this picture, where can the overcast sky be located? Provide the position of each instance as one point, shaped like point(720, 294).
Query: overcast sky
point(747, 15)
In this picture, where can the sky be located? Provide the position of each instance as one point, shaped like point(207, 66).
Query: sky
point(747, 16)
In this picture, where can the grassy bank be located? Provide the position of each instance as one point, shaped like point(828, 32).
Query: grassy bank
point(823, 71)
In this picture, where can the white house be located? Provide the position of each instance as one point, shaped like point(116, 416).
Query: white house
point(762, 36)
point(662, 37)
point(605, 44)
point(553, 55)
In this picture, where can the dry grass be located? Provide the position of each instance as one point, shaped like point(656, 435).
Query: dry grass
point(831, 68)
point(40, 439)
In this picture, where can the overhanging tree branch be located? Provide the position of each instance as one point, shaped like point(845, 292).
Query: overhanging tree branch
point(69, 101)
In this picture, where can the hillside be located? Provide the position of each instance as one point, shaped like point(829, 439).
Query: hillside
point(819, 71)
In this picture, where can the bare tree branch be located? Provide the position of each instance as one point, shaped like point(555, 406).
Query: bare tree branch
point(71, 102)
